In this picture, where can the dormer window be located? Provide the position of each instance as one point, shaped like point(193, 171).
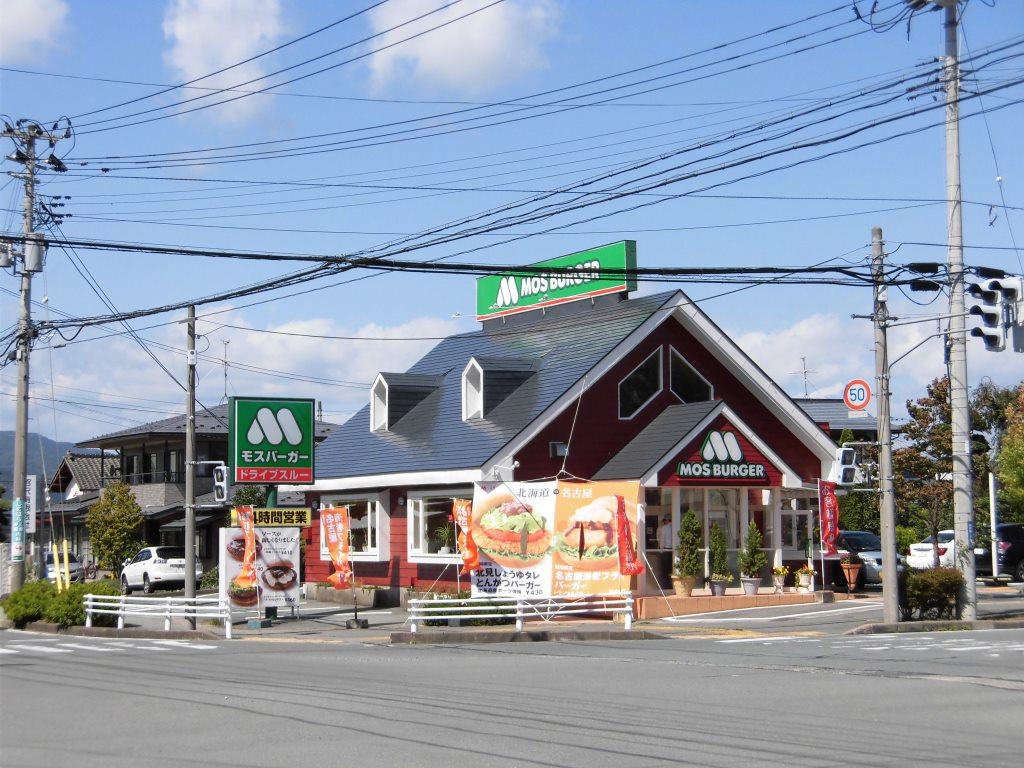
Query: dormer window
point(379, 406)
point(487, 381)
point(393, 395)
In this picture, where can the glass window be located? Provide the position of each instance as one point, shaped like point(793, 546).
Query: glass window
point(364, 526)
point(724, 509)
point(170, 553)
point(640, 386)
point(685, 383)
point(432, 529)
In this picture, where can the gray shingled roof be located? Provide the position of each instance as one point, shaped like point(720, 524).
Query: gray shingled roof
point(836, 414)
point(212, 421)
point(85, 469)
point(640, 455)
point(433, 436)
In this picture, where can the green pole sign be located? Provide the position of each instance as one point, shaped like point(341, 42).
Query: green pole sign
point(574, 277)
point(271, 440)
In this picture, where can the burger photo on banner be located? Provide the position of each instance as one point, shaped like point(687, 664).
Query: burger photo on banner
point(512, 526)
point(259, 566)
point(595, 547)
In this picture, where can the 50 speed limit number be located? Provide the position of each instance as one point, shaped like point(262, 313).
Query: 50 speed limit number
point(857, 395)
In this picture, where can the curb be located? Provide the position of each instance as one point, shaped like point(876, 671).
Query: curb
point(935, 626)
point(136, 632)
point(462, 637)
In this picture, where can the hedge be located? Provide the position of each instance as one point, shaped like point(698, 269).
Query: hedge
point(933, 593)
point(40, 601)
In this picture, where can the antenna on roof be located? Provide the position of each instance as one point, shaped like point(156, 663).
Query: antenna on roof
point(804, 370)
point(225, 342)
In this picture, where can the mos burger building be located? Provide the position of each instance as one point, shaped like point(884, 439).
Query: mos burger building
point(570, 373)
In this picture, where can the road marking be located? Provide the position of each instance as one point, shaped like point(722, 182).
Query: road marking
point(7, 650)
point(761, 639)
point(715, 616)
point(84, 647)
point(185, 644)
point(39, 648)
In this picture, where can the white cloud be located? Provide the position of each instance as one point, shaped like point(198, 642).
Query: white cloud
point(29, 29)
point(207, 35)
point(472, 55)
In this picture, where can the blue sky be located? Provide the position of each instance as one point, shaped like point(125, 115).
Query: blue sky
point(516, 48)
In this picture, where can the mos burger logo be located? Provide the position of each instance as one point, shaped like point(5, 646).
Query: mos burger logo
point(722, 458)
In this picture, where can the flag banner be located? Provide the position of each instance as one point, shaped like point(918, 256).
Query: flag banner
point(828, 505)
point(462, 511)
point(336, 527)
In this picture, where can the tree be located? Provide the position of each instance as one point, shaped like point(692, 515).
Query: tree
point(115, 523)
point(751, 559)
point(250, 496)
point(1010, 461)
point(717, 555)
point(688, 559)
point(858, 510)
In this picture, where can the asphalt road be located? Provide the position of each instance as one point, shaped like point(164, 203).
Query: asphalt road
point(942, 699)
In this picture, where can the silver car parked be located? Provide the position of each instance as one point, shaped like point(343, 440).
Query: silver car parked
point(75, 570)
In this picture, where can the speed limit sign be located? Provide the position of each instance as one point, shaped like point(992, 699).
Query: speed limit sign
point(857, 395)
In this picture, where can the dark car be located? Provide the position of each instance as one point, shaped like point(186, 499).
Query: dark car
point(1009, 553)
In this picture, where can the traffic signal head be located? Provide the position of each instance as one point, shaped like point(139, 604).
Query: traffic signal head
point(997, 297)
point(846, 466)
point(220, 484)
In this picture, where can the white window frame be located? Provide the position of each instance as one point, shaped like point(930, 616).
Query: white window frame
point(673, 351)
point(414, 498)
point(382, 522)
point(379, 405)
point(472, 402)
point(661, 385)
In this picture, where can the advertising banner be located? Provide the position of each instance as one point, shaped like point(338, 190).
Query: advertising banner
point(829, 506)
point(336, 529)
point(31, 502)
point(555, 538)
point(273, 580)
point(462, 511)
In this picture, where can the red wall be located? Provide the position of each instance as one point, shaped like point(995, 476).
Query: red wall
point(599, 433)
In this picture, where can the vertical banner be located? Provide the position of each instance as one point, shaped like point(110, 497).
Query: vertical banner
point(31, 502)
point(828, 505)
point(18, 531)
point(273, 579)
point(462, 511)
point(243, 590)
point(336, 526)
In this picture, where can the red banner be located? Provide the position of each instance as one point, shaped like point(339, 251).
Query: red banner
point(828, 505)
point(628, 564)
point(246, 578)
point(462, 511)
point(335, 522)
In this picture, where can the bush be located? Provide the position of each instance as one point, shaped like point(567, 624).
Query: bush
point(29, 603)
point(211, 579)
point(905, 536)
point(457, 602)
point(717, 554)
point(67, 608)
point(688, 559)
point(751, 559)
point(931, 594)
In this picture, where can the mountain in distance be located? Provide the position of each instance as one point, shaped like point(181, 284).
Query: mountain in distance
point(51, 454)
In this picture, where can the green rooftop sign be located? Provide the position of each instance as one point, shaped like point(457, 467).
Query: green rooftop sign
point(577, 276)
point(270, 440)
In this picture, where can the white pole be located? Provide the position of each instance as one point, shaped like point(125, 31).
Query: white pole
point(993, 521)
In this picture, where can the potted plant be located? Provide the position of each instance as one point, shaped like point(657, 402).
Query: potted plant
point(752, 560)
point(779, 574)
point(720, 575)
point(851, 566)
point(445, 537)
point(803, 577)
point(689, 563)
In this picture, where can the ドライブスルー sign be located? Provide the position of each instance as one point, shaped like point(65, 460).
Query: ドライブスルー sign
point(573, 277)
point(271, 440)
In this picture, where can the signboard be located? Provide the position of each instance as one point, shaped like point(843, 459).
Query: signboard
point(828, 505)
point(722, 458)
point(276, 565)
point(271, 440)
point(508, 294)
point(857, 395)
point(31, 502)
point(18, 531)
point(278, 517)
point(554, 538)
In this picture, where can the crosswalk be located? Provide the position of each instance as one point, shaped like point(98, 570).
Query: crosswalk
point(932, 644)
point(52, 647)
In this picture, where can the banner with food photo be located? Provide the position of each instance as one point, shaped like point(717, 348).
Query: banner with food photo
point(555, 538)
point(274, 578)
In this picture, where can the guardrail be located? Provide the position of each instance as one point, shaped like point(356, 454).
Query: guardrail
point(519, 609)
point(204, 607)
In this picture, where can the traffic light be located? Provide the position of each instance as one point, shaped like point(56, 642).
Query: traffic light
point(846, 466)
point(1000, 313)
point(220, 483)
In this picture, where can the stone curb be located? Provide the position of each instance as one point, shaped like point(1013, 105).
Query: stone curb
point(136, 632)
point(935, 626)
point(462, 637)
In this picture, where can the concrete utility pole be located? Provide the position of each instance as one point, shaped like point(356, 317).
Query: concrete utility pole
point(886, 499)
point(963, 497)
point(190, 464)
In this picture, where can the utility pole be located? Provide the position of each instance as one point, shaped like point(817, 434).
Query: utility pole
point(190, 464)
point(886, 500)
point(963, 501)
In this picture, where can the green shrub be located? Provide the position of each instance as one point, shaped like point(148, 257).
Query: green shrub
point(717, 554)
point(905, 536)
point(67, 608)
point(751, 559)
point(457, 599)
point(933, 593)
point(29, 603)
point(211, 579)
point(688, 559)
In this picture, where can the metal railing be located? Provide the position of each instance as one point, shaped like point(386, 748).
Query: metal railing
point(204, 607)
point(519, 609)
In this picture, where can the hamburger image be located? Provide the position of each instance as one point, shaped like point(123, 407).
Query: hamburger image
point(243, 596)
point(509, 531)
point(588, 541)
point(279, 576)
point(236, 547)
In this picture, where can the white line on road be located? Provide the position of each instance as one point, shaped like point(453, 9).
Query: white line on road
point(39, 648)
point(185, 644)
point(761, 639)
point(84, 647)
point(703, 617)
point(7, 650)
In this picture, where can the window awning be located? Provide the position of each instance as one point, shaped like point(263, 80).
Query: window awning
point(175, 524)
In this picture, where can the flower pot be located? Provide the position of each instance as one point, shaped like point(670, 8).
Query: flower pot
point(851, 571)
point(780, 583)
point(804, 581)
point(444, 551)
point(750, 584)
point(718, 588)
point(684, 586)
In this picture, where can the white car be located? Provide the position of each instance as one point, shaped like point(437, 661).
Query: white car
point(922, 554)
point(156, 567)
